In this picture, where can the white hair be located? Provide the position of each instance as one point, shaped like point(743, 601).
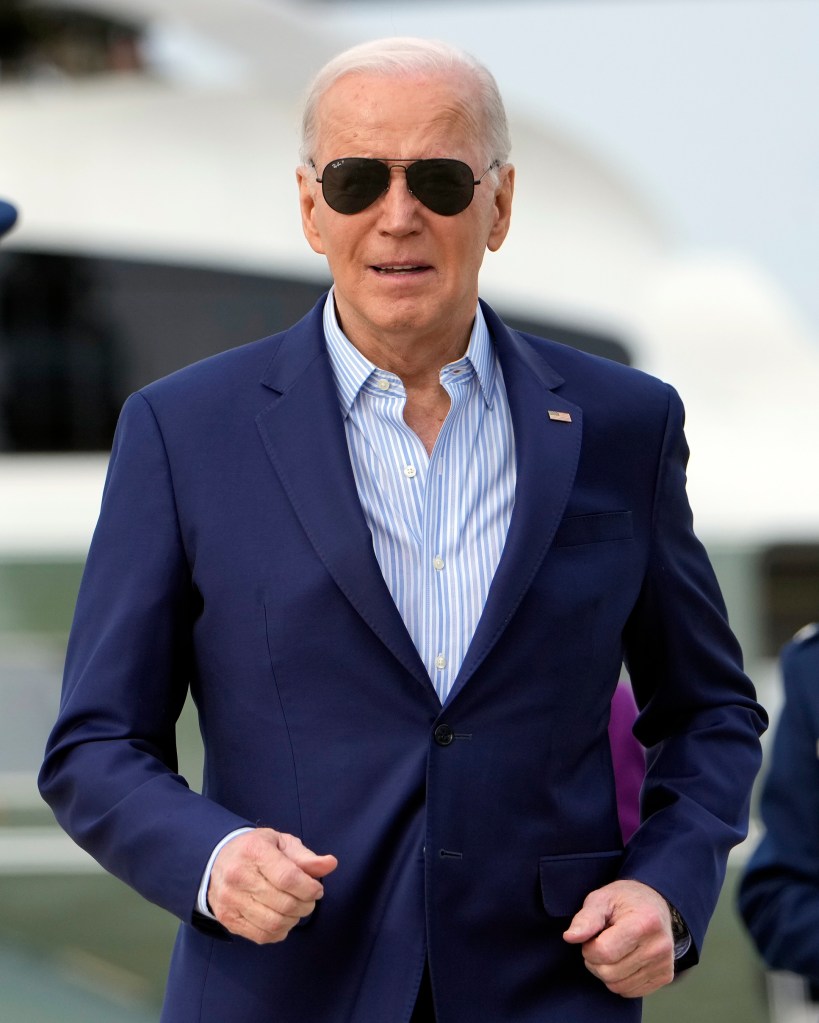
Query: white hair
point(406, 56)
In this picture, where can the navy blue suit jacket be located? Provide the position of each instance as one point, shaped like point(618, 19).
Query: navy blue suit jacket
point(232, 557)
point(779, 892)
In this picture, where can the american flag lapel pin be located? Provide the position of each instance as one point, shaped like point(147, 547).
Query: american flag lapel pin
point(560, 417)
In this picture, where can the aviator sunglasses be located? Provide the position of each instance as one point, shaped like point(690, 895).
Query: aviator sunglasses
point(353, 183)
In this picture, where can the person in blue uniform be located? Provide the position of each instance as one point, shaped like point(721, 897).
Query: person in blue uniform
point(779, 891)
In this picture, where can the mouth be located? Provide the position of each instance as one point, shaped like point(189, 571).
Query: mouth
point(388, 269)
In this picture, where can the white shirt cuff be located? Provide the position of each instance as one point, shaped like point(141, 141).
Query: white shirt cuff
point(202, 898)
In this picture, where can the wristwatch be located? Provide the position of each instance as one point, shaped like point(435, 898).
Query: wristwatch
point(678, 929)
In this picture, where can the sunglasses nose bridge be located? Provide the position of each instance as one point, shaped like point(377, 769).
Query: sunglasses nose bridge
point(397, 194)
point(392, 166)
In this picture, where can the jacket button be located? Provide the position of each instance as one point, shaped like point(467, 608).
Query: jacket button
point(443, 735)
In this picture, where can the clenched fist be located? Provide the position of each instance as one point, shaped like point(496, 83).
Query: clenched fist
point(263, 882)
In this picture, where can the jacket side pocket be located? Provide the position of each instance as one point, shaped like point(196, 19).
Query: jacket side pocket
point(565, 881)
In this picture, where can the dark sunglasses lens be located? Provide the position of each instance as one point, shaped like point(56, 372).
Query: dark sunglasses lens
point(351, 185)
point(443, 186)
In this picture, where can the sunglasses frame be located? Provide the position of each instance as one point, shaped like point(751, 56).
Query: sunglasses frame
point(388, 163)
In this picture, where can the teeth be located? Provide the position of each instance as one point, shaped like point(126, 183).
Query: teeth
point(397, 269)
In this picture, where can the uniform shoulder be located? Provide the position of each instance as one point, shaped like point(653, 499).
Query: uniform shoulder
point(808, 633)
point(800, 658)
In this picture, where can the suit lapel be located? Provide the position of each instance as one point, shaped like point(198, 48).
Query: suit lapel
point(304, 437)
point(547, 450)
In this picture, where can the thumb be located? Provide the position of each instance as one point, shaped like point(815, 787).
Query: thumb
point(311, 863)
point(587, 923)
point(319, 866)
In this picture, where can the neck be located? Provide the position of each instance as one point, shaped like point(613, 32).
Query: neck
point(415, 357)
point(418, 364)
point(419, 368)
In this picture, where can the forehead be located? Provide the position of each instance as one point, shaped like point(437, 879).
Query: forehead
point(399, 115)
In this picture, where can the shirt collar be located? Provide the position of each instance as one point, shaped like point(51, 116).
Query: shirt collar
point(351, 369)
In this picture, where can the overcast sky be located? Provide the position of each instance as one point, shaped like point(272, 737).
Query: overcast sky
point(708, 106)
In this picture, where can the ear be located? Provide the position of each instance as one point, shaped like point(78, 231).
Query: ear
point(502, 209)
point(308, 205)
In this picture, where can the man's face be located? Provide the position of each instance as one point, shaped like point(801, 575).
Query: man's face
point(402, 273)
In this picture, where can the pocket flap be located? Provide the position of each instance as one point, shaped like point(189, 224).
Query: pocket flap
point(597, 528)
point(565, 881)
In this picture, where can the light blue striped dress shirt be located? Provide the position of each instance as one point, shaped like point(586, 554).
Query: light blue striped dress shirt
point(438, 522)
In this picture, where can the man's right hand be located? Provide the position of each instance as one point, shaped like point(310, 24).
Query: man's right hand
point(263, 882)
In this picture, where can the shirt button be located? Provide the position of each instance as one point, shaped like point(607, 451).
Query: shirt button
point(382, 384)
point(437, 562)
point(410, 471)
point(440, 662)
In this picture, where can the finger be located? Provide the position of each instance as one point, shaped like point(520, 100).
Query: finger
point(259, 911)
point(586, 924)
point(642, 984)
point(274, 900)
point(630, 941)
point(299, 877)
point(257, 923)
point(636, 984)
point(646, 957)
point(311, 863)
point(265, 859)
point(615, 943)
point(648, 967)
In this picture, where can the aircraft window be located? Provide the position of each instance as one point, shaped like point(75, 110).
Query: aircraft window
point(43, 42)
point(790, 591)
point(80, 333)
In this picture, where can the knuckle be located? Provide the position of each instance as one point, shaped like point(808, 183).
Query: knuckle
point(257, 845)
point(278, 923)
point(282, 869)
point(233, 874)
point(227, 908)
point(269, 928)
point(290, 906)
point(280, 930)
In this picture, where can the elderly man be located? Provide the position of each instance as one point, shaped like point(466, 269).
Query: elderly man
point(398, 554)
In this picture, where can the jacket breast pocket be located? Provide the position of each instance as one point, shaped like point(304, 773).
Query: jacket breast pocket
point(595, 528)
point(565, 881)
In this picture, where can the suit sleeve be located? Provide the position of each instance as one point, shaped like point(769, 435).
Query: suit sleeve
point(699, 719)
point(110, 771)
point(779, 892)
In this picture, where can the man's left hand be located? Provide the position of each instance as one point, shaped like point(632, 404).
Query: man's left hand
point(625, 931)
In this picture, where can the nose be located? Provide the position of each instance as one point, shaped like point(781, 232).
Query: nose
point(398, 206)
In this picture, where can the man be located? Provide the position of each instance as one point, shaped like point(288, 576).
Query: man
point(399, 553)
point(779, 892)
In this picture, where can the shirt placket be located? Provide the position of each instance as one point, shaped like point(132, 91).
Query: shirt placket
point(407, 470)
point(443, 646)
